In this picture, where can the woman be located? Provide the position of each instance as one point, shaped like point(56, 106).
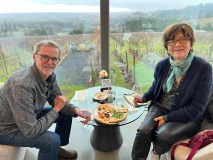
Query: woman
point(179, 95)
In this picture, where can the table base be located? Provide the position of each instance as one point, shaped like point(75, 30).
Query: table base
point(107, 138)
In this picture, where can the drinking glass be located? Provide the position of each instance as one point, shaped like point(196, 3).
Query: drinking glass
point(82, 98)
point(134, 108)
point(111, 97)
point(87, 128)
point(119, 101)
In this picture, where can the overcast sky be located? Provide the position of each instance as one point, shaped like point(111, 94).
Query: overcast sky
point(17, 6)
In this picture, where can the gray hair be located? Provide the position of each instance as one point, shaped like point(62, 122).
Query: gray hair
point(45, 43)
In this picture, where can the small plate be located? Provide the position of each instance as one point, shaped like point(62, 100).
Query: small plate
point(100, 96)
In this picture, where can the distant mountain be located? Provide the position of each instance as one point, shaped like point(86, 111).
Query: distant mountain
point(189, 12)
point(30, 24)
point(196, 15)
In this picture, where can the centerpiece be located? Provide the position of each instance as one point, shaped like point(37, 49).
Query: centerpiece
point(105, 81)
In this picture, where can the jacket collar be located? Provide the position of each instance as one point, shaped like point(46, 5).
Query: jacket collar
point(42, 82)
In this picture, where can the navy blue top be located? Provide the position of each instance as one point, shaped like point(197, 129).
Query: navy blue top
point(192, 95)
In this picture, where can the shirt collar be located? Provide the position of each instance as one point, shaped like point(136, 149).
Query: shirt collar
point(49, 80)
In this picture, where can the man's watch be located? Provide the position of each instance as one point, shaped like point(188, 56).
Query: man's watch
point(165, 118)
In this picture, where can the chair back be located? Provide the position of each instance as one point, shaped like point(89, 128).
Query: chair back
point(209, 109)
point(208, 115)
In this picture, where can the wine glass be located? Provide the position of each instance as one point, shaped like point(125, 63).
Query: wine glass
point(88, 126)
point(133, 90)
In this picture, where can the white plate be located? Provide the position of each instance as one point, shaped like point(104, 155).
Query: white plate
point(100, 96)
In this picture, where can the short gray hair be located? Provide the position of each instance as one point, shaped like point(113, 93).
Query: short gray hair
point(46, 43)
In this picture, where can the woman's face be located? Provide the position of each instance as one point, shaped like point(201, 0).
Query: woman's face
point(179, 47)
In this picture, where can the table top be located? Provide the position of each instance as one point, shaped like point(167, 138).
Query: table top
point(90, 104)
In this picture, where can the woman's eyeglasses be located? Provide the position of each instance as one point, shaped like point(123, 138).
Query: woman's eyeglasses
point(46, 58)
point(183, 40)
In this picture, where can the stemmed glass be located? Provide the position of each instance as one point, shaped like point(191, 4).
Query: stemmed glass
point(88, 127)
point(133, 90)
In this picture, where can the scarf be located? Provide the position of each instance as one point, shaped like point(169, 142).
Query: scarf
point(179, 69)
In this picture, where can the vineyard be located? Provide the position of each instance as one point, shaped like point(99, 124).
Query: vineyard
point(16, 53)
point(133, 56)
point(139, 54)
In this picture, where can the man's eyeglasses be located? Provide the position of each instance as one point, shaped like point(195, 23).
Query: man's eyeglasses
point(46, 58)
point(183, 40)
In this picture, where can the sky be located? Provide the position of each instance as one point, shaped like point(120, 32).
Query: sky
point(22, 6)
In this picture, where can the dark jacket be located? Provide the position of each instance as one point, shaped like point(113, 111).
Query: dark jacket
point(193, 93)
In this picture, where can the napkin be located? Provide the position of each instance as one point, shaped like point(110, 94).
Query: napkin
point(129, 98)
point(80, 95)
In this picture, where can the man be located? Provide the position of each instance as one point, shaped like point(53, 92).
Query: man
point(24, 121)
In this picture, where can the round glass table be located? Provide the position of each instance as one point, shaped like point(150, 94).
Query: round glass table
point(108, 137)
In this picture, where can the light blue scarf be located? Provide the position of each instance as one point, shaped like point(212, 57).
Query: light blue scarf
point(179, 69)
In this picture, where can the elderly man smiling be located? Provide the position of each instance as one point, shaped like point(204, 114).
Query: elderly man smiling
point(24, 121)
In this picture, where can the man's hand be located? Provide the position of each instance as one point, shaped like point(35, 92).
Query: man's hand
point(160, 120)
point(59, 103)
point(137, 99)
point(83, 114)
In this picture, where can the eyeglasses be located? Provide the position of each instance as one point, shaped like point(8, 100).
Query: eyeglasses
point(183, 40)
point(46, 58)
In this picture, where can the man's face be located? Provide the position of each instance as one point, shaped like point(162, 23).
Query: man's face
point(44, 64)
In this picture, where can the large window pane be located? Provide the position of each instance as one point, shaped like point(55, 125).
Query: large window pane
point(74, 25)
point(136, 36)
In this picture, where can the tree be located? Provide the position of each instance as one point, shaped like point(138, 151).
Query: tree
point(198, 27)
point(208, 27)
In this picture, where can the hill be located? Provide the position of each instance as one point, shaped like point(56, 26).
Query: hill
point(202, 21)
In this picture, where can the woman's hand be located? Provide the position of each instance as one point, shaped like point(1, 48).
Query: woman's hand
point(160, 120)
point(137, 99)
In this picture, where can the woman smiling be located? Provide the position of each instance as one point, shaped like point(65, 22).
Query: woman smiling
point(179, 95)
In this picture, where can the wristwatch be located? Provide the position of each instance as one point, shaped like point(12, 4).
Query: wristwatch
point(165, 118)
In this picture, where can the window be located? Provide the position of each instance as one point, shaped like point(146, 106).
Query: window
point(74, 25)
point(135, 32)
point(136, 36)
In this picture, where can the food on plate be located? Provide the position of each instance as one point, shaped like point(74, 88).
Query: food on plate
point(100, 96)
point(108, 114)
